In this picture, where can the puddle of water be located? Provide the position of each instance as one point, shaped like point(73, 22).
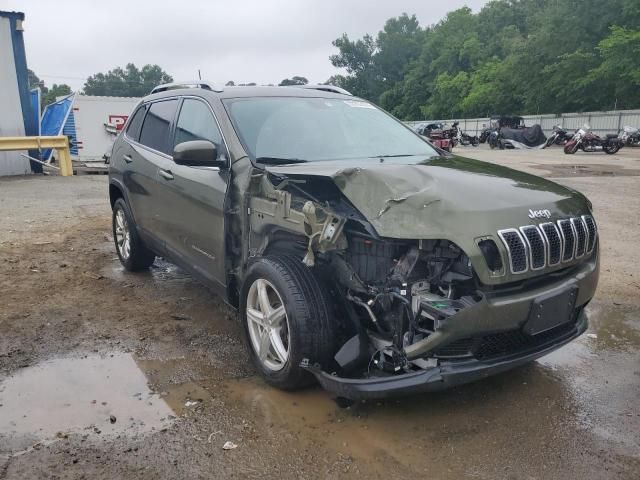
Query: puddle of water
point(603, 374)
point(161, 273)
point(592, 170)
point(78, 394)
point(413, 432)
point(589, 386)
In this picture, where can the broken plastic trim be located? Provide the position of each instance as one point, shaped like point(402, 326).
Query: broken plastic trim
point(446, 375)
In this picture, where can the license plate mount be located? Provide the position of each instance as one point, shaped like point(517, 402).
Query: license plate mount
point(551, 310)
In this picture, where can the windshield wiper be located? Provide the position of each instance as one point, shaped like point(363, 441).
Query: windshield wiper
point(279, 161)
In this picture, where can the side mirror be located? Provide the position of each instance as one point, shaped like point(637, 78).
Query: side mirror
point(197, 153)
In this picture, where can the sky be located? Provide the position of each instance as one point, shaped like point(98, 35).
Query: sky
point(262, 41)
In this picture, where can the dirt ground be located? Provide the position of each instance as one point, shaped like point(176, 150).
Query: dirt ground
point(108, 374)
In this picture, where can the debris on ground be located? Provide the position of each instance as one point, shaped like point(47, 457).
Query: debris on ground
point(112, 418)
point(180, 316)
point(229, 446)
point(190, 403)
point(92, 275)
point(592, 335)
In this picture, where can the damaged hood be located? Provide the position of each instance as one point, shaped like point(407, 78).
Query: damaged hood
point(447, 197)
point(452, 198)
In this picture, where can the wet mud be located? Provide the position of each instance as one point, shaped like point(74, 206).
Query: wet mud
point(109, 374)
point(590, 170)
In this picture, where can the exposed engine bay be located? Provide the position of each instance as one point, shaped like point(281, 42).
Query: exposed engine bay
point(390, 295)
point(398, 294)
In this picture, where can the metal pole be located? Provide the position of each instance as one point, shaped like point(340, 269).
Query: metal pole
point(39, 161)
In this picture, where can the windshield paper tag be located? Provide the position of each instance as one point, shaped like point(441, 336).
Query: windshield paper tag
point(356, 104)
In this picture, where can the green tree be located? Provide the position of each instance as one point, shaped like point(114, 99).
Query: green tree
point(512, 57)
point(616, 81)
point(49, 95)
point(127, 82)
point(295, 80)
point(356, 57)
point(54, 92)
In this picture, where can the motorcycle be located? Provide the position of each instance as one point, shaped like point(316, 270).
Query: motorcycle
point(585, 140)
point(495, 141)
point(559, 136)
point(461, 138)
point(630, 136)
point(484, 134)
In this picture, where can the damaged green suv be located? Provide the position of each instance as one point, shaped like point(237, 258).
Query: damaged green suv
point(357, 254)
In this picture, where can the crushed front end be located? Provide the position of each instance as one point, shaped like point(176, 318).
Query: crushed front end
point(415, 315)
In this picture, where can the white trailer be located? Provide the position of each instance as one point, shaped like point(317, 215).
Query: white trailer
point(94, 122)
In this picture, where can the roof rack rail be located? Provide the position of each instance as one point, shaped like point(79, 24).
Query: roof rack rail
point(189, 84)
point(327, 88)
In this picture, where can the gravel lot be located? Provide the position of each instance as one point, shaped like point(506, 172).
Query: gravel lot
point(108, 374)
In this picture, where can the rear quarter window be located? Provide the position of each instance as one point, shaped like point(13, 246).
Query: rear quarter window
point(155, 129)
point(133, 129)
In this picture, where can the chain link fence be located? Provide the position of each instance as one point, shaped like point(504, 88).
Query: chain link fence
point(601, 122)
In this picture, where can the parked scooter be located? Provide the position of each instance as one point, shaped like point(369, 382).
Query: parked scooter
point(559, 136)
point(584, 139)
point(630, 136)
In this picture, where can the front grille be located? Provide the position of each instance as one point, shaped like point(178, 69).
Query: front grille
point(590, 223)
point(537, 249)
point(568, 239)
point(517, 250)
point(457, 349)
point(506, 343)
point(581, 236)
point(534, 247)
point(554, 242)
point(516, 341)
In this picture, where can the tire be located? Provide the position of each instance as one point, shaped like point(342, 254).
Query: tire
point(306, 331)
point(570, 149)
point(611, 148)
point(550, 141)
point(137, 256)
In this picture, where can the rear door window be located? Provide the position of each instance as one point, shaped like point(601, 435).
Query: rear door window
point(196, 122)
point(155, 129)
point(133, 130)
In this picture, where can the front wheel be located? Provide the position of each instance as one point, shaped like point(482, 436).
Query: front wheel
point(571, 148)
point(286, 319)
point(550, 141)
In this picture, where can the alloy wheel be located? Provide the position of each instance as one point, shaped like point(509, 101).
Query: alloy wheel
point(123, 235)
point(268, 325)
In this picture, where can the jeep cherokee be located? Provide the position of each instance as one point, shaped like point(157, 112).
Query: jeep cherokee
point(356, 253)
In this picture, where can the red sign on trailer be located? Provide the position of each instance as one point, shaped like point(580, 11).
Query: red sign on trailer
point(118, 121)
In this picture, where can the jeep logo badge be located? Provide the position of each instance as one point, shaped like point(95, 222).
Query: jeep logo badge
point(539, 214)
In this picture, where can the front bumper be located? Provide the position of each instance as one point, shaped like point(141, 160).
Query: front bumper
point(446, 375)
point(499, 313)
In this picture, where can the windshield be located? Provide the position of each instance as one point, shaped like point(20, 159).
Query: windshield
point(313, 129)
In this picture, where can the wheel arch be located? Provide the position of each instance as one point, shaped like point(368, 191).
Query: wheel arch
point(116, 191)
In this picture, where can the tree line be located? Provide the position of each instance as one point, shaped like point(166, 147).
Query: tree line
point(512, 57)
point(130, 81)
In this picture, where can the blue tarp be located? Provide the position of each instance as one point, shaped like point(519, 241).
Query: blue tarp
point(53, 119)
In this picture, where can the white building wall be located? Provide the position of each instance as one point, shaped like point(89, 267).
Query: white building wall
point(11, 121)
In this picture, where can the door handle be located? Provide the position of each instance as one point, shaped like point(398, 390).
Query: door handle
point(127, 158)
point(166, 174)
